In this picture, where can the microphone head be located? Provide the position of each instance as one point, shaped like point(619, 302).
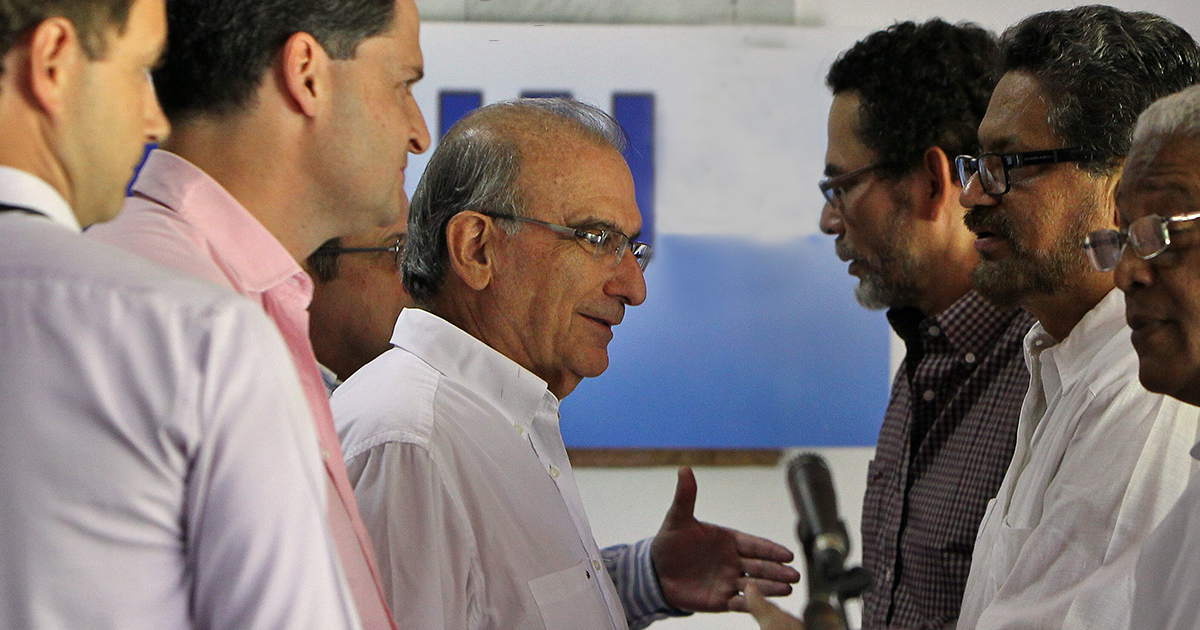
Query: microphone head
point(822, 534)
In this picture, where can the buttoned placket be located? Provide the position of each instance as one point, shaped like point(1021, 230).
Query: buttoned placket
point(545, 439)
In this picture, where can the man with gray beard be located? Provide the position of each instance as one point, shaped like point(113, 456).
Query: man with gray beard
point(906, 100)
point(1099, 460)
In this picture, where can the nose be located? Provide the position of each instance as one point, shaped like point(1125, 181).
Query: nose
point(154, 121)
point(627, 283)
point(418, 140)
point(1132, 273)
point(831, 220)
point(973, 195)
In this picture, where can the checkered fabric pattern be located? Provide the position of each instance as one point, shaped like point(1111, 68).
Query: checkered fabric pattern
point(944, 446)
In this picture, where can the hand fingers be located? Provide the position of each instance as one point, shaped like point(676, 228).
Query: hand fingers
point(765, 587)
point(768, 615)
point(684, 504)
point(755, 547)
point(771, 571)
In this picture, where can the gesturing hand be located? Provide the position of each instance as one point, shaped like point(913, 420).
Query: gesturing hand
point(705, 567)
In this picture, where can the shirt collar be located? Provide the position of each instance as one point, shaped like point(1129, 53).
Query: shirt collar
point(257, 261)
point(1073, 354)
point(970, 324)
point(25, 190)
point(973, 322)
point(465, 359)
point(329, 378)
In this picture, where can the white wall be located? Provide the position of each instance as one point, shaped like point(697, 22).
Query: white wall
point(625, 505)
point(860, 15)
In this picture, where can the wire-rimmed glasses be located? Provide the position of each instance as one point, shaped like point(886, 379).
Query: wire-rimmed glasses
point(834, 188)
point(396, 249)
point(1149, 236)
point(606, 245)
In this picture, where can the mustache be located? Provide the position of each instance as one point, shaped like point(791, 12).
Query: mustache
point(844, 251)
point(987, 219)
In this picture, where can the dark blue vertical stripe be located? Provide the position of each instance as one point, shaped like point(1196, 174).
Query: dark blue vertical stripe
point(635, 112)
point(453, 105)
point(544, 94)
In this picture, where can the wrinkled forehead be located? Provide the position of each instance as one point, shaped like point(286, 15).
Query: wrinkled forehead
point(1162, 168)
point(1018, 116)
point(566, 176)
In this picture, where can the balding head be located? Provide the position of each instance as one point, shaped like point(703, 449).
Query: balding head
point(477, 167)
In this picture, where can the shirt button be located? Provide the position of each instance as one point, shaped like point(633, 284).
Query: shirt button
point(970, 358)
point(1038, 343)
point(596, 564)
point(928, 395)
point(554, 471)
point(520, 429)
point(934, 331)
point(324, 454)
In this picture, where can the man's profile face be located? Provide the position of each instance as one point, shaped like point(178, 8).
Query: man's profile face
point(1029, 239)
point(871, 226)
point(352, 316)
point(376, 123)
point(1162, 295)
point(560, 303)
point(114, 113)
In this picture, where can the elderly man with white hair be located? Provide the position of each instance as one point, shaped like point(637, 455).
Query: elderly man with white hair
point(1156, 255)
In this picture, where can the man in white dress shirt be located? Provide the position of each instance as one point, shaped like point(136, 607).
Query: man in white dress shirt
point(1099, 460)
point(522, 257)
point(1157, 257)
point(158, 468)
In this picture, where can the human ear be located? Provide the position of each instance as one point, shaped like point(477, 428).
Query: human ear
point(304, 66)
point(939, 180)
point(471, 241)
point(55, 58)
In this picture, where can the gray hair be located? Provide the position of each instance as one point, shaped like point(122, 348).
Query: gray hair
point(475, 168)
point(1101, 67)
point(1174, 116)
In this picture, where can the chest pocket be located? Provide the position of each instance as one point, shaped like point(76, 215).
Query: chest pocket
point(1006, 545)
point(571, 599)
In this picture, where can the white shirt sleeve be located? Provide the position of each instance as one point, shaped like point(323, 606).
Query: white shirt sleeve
point(427, 552)
point(256, 508)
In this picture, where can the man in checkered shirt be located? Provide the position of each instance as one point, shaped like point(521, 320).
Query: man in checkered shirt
point(907, 100)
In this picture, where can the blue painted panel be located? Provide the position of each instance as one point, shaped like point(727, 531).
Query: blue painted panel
point(635, 113)
point(453, 105)
point(739, 345)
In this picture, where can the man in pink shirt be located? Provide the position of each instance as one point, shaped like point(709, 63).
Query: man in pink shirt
point(292, 123)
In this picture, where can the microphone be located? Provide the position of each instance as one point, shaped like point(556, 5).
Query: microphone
point(826, 544)
point(821, 532)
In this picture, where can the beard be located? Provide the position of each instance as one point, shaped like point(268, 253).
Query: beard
point(890, 276)
point(1008, 281)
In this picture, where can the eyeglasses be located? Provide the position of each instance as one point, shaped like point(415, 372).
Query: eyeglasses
point(608, 246)
point(834, 188)
point(396, 249)
point(1149, 236)
point(993, 168)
